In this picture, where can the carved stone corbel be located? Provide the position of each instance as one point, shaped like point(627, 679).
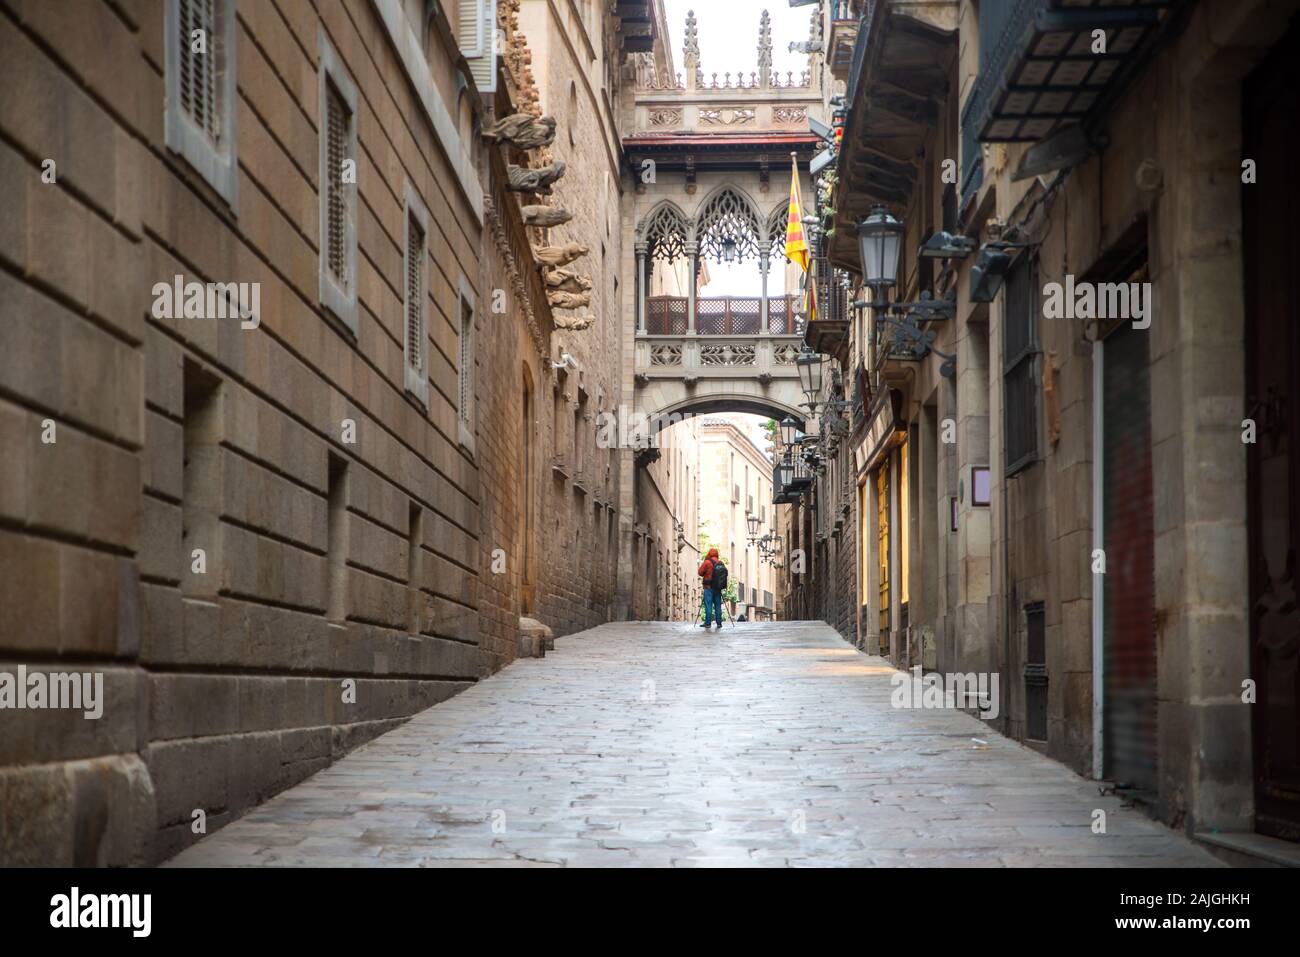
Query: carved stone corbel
point(574, 323)
point(566, 280)
point(553, 256)
point(525, 180)
point(568, 300)
point(526, 132)
point(545, 216)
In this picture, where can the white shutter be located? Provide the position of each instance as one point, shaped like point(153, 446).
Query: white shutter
point(476, 33)
point(469, 28)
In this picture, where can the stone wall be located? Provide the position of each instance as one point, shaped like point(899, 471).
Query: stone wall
point(1169, 181)
point(349, 527)
point(579, 500)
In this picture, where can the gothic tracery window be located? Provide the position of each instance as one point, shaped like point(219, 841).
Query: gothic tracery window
point(726, 218)
point(665, 234)
point(776, 227)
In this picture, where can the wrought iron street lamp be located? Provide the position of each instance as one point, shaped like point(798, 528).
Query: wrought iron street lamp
point(880, 239)
point(787, 468)
point(729, 249)
point(789, 428)
point(752, 521)
point(809, 364)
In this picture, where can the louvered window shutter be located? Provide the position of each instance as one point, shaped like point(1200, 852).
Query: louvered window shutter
point(199, 88)
point(476, 36)
point(336, 122)
point(414, 294)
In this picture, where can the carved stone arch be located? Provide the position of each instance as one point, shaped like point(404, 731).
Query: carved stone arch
point(728, 213)
point(665, 230)
point(709, 403)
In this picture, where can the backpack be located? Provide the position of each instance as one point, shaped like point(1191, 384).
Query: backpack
point(719, 580)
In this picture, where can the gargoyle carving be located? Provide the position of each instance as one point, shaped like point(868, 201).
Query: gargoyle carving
point(523, 130)
point(552, 256)
point(545, 216)
point(574, 323)
point(568, 300)
point(524, 180)
point(566, 280)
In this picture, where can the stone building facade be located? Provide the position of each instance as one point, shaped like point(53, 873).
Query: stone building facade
point(1082, 501)
point(578, 524)
point(279, 533)
point(665, 547)
point(736, 482)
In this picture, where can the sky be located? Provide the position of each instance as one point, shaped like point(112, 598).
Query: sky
point(728, 34)
point(728, 37)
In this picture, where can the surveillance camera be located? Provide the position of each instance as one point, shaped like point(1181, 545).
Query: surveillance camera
point(566, 362)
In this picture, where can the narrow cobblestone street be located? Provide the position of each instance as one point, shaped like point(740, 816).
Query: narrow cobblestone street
point(654, 744)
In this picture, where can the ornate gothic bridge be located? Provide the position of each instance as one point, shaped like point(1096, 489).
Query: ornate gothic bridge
point(712, 162)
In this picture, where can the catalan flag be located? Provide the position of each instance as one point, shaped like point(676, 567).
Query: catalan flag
point(796, 246)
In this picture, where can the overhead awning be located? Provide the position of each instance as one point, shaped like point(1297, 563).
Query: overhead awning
point(901, 64)
point(1049, 63)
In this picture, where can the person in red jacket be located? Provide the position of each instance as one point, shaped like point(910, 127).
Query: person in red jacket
point(712, 597)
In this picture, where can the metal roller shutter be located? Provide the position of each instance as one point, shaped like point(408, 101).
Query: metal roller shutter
point(1129, 583)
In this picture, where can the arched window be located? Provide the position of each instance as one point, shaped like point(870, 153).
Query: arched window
point(728, 227)
point(776, 227)
point(665, 233)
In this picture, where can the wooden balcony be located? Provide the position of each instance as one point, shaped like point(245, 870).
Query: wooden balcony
point(722, 315)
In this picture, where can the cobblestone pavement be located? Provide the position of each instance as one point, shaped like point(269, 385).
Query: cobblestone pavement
point(657, 744)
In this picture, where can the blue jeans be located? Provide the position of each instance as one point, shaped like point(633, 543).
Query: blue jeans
point(712, 606)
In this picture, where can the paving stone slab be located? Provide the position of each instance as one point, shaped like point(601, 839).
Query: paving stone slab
point(641, 745)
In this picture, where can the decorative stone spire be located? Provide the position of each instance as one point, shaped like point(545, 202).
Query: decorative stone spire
point(764, 48)
point(691, 49)
point(815, 26)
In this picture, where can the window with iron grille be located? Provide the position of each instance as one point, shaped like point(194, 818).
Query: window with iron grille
point(199, 116)
point(1036, 672)
point(1019, 352)
point(415, 296)
point(338, 187)
point(337, 121)
point(465, 400)
point(414, 293)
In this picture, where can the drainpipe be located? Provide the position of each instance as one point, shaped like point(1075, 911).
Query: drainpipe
point(1098, 595)
point(1006, 608)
